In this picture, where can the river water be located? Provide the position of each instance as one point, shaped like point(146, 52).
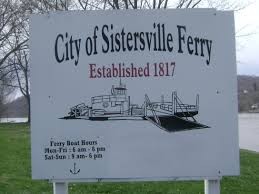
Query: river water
point(248, 130)
point(13, 120)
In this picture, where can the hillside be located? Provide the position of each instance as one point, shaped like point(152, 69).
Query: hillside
point(248, 94)
point(16, 109)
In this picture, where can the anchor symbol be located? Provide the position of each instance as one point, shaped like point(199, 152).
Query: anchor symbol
point(75, 171)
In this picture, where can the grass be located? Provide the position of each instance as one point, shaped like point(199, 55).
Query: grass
point(15, 177)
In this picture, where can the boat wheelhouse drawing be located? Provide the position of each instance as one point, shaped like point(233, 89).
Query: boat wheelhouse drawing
point(171, 116)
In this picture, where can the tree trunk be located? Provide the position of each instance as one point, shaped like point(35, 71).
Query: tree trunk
point(28, 99)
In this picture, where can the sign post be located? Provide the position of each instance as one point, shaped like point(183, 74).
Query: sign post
point(60, 188)
point(212, 186)
point(134, 95)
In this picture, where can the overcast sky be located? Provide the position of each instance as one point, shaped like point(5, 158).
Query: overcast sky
point(247, 23)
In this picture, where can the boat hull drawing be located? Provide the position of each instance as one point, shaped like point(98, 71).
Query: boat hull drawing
point(171, 115)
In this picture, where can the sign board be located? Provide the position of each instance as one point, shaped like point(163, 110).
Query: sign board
point(143, 95)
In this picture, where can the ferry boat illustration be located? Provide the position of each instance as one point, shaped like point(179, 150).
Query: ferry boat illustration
point(171, 116)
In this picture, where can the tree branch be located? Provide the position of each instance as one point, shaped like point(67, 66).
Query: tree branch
point(12, 51)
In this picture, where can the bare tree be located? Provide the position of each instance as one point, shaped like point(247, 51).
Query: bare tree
point(19, 65)
point(13, 39)
point(4, 93)
point(9, 21)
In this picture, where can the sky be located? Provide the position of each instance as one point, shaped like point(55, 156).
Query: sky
point(247, 39)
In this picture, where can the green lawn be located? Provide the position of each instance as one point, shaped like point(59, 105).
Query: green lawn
point(15, 175)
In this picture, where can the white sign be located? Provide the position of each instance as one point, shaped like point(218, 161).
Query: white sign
point(143, 95)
